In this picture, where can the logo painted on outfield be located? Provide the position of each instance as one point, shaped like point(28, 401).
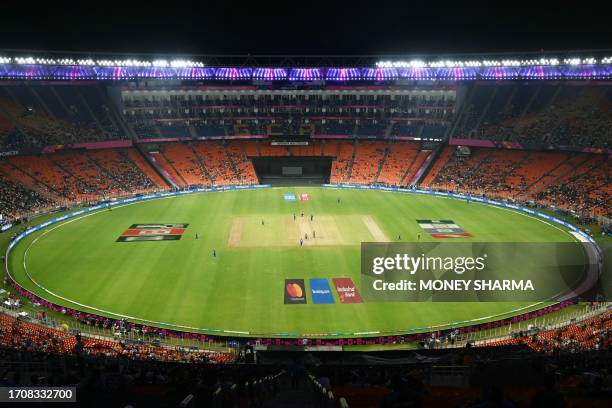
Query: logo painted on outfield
point(149, 238)
point(452, 235)
point(320, 291)
point(160, 231)
point(289, 197)
point(152, 226)
point(347, 292)
point(295, 291)
point(443, 229)
point(304, 197)
point(153, 232)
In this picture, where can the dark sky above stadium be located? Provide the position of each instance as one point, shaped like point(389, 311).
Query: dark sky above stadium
point(307, 27)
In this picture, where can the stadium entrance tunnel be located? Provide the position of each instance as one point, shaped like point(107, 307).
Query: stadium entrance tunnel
point(283, 171)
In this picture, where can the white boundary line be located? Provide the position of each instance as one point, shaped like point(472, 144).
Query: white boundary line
point(331, 335)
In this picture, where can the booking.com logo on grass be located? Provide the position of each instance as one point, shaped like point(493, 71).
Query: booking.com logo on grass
point(290, 197)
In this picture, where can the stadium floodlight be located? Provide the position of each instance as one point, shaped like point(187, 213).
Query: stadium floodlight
point(552, 61)
point(133, 63)
point(401, 64)
point(180, 63)
point(67, 61)
point(25, 60)
point(160, 63)
point(488, 63)
point(572, 61)
point(383, 64)
point(510, 63)
point(417, 64)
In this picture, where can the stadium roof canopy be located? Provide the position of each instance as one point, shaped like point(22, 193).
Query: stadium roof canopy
point(590, 64)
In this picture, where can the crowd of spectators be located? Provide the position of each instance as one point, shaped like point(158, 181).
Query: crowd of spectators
point(478, 173)
point(30, 337)
point(570, 364)
point(583, 118)
point(112, 170)
point(16, 201)
point(585, 193)
point(548, 178)
point(73, 175)
point(36, 129)
point(594, 333)
point(127, 176)
point(559, 115)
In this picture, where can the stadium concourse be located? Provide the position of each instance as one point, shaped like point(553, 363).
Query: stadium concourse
point(73, 143)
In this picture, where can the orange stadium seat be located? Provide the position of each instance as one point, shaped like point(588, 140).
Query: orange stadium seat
point(238, 152)
point(416, 166)
point(446, 154)
point(44, 170)
point(344, 151)
point(368, 157)
point(166, 167)
point(145, 167)
point(266, 149)
point(399, 160)
point(183, 160)
point(216, 160)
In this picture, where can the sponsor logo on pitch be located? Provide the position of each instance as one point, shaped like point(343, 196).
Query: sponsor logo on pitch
point(443, 229)
point(320, 291)
point(295, 291)
point(347, 291)
point(153, 232)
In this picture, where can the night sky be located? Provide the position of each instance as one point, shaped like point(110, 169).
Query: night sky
point(303, 27)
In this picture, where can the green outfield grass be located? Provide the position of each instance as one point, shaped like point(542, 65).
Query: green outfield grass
point(241, 289)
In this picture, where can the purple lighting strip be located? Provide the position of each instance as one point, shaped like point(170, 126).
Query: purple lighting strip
point(379, 74)
point(68, 72)
point(343, 74)
point(233, 74)
point(305, 74)
point(270, 74)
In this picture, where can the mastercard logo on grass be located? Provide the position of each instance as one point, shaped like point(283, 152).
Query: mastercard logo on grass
point(294, 290)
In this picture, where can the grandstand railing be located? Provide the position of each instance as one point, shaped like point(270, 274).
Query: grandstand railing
point(529, 327)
